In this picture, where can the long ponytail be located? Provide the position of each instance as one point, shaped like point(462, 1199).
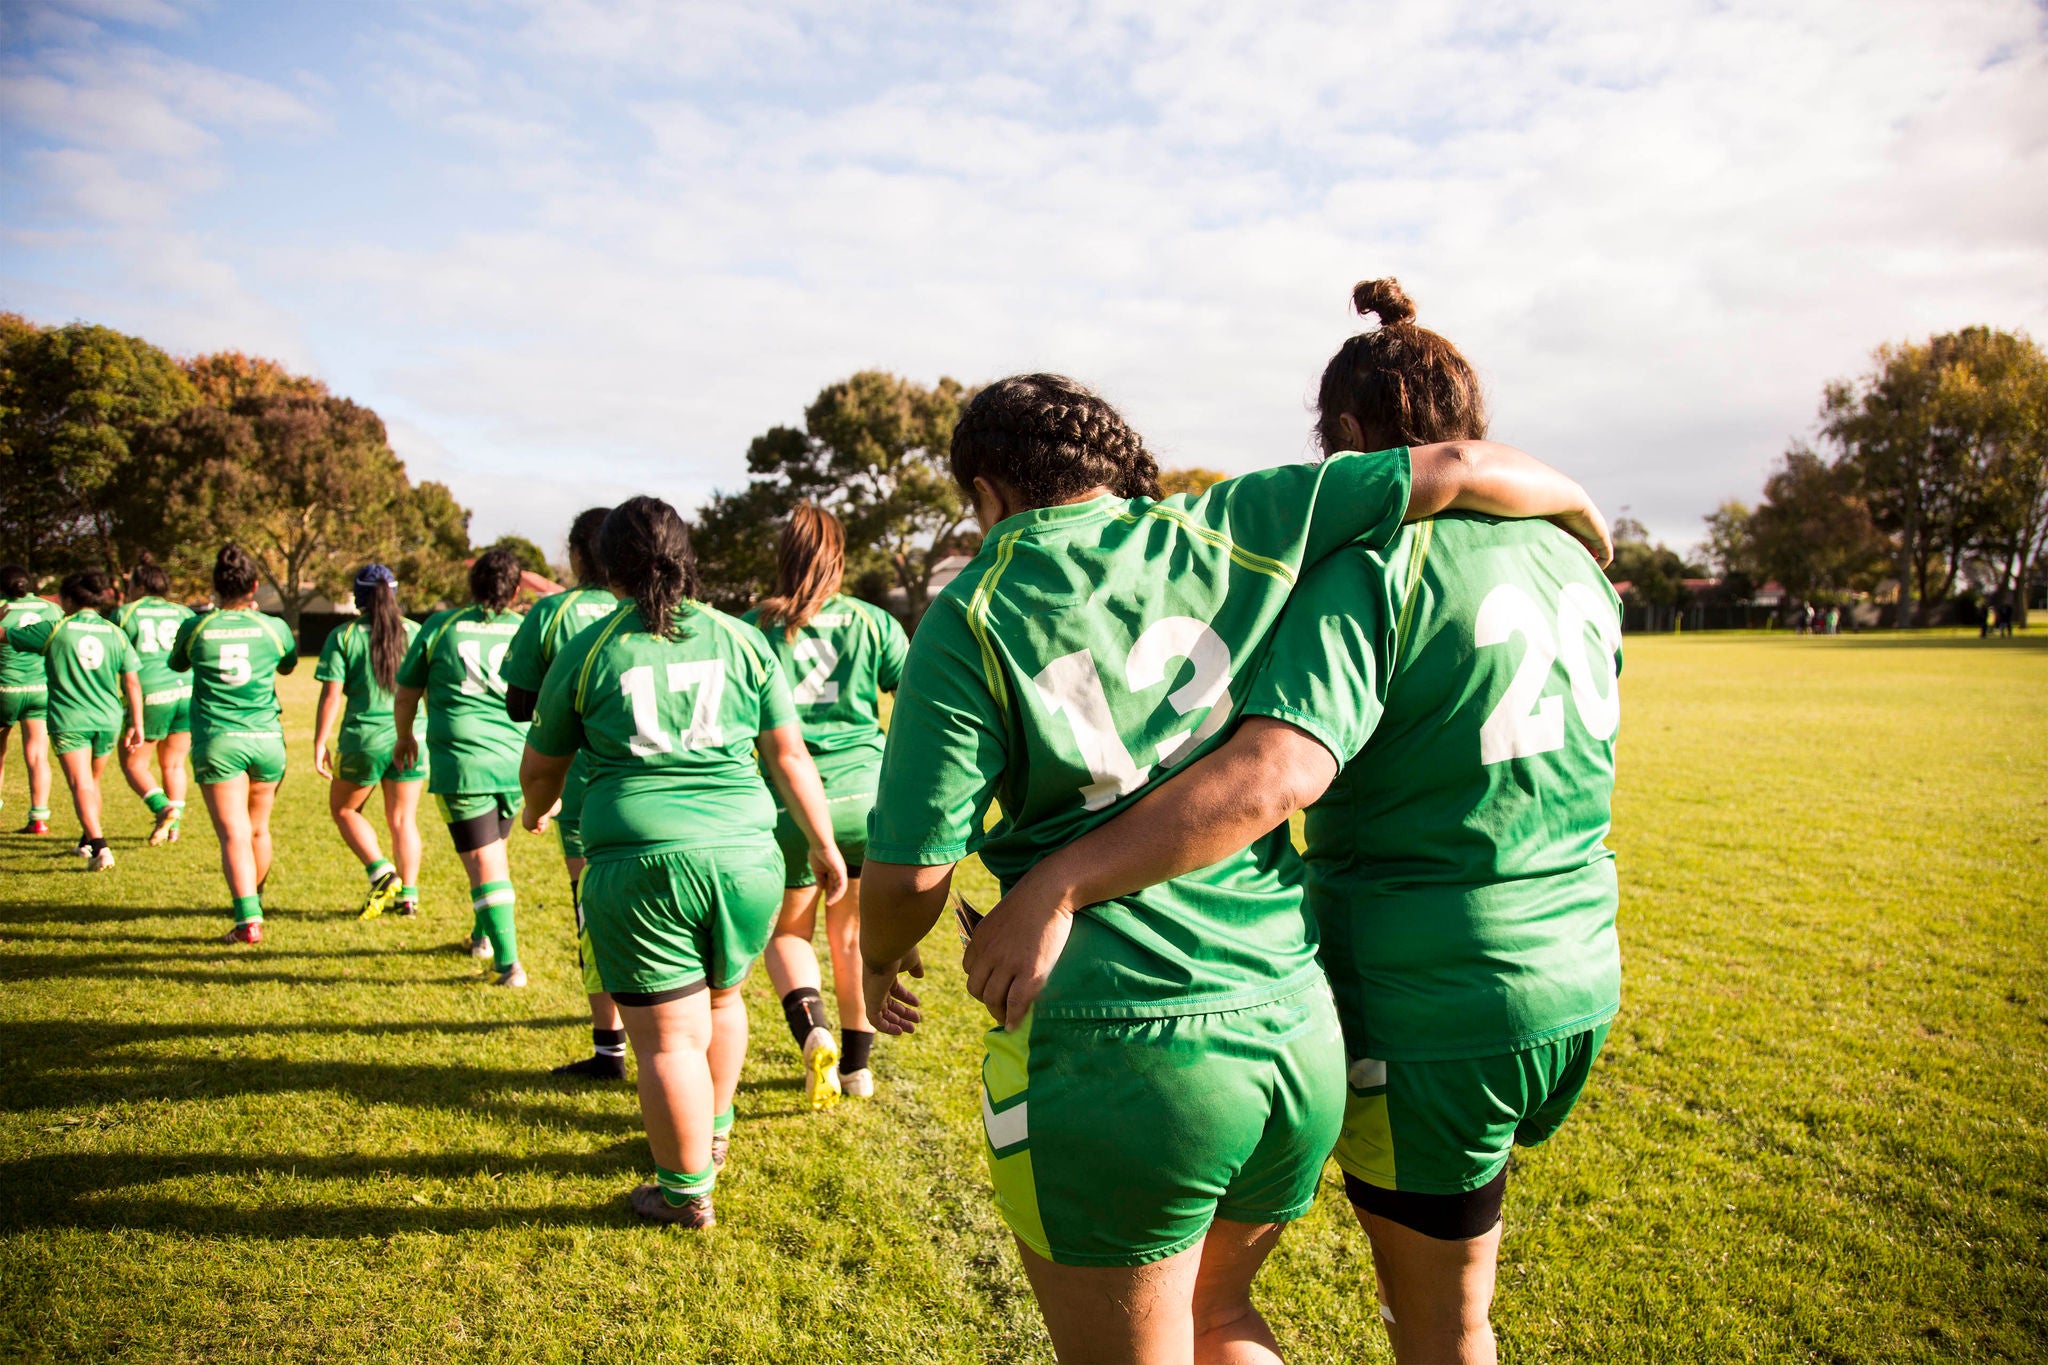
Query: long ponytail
point(810, 565)
point(645, 546)
point(376, 594)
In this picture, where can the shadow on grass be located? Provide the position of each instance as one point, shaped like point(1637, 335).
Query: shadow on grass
point(2032, 643)
point(111, 1192)
point(47, 912)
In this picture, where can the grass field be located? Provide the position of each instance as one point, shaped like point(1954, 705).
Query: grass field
point(1820, 1131)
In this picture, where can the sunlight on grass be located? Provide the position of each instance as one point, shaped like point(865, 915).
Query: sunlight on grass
point(1820, 1130)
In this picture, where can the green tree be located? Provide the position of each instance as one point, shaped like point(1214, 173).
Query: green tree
point(74, 400)
point(225, 377)
point(309, 486)
point(431, 543)
point(1813, 532)
point(531, 557)
point(2001, 400)
point(1730, 549)
point(1655, 574)
point(873, 449)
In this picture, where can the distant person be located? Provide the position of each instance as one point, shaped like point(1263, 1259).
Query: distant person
point(25, 693)
point(550, 624)
point(358, 675)
point(151, 621)
point(1834, 620)
point(234, 654)
point(1987, 619)
point(95, 700)
point(2006, 611)
point(840, 655)
point(472, 746)
point(672, 700)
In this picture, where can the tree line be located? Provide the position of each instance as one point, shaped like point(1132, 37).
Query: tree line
point(1930, 471)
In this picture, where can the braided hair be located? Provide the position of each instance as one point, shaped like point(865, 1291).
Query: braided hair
point(1052, 440)
point(1403, 384)
point(645, 548)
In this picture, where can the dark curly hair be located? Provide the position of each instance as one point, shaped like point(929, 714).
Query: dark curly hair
point(149, 577)
point(494, 580)
point(583, 542)
point(15, 581)
point(645, 546)
point(88, 588)
point(234, 574)
point(1052, 440)
point(1405, 385)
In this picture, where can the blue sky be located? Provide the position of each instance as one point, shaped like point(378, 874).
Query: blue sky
point(572, 250)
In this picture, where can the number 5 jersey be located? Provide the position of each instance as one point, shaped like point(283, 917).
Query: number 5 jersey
point(234, 658)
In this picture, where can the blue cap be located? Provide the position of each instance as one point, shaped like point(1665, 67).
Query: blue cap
point(375, 576)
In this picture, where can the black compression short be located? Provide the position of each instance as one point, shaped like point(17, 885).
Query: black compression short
point(1446, 1217)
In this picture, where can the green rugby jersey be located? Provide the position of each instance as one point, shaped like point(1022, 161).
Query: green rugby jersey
point(838, 666)
point(1084, 653)
point(1466, 680)
point(85, 656)
point(550, 623)
point(667, 728)
point(234, 658)
point(21, 670)
point(366, 707)
point(456, 659)
point(151, 625)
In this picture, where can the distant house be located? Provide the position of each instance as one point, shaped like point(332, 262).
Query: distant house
point(945, 571)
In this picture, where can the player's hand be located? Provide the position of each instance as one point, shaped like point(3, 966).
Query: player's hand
point(405, 754)
point(133, 740)
point(1014, 950)
point(1589, 528)
point(829, 867)
point(891, 1006)
point(323, 763)
point(538, 824)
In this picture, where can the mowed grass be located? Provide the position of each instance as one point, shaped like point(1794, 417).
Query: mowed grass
point(1820, 1130)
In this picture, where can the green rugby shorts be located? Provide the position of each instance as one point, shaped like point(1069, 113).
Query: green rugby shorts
point(1447, 1127)
point(849, 831)
point(365, 762)
point(23, 703)
point(99, 740)
point(166, 713)
point(222, 758)
point(1119, 1141)
point(667, 924)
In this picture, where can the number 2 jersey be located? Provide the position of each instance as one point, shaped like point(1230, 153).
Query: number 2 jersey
point(456, 660)
point(838, 666)
point(1086, 651)
point(1465, 678)
point(234, 658)
point(667, 727)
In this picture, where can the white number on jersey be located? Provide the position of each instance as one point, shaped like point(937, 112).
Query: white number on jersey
point(234, 665)
point(1072, 686)
point(1525, 722)
point(91, 653)
point(480, 670)
point(155, 636)
point(817, 687)
point(704, 677)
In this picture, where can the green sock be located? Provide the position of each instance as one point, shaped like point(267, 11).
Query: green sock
point(379, 870)
point(178, 806)
point(493, 902)
point(248, 909)
point(38, 812)
point(722, 1122)
point(409, 894)
point(155, 799)
point(678, 1187)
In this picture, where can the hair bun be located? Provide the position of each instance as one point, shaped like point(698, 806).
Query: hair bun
point(1384, 299)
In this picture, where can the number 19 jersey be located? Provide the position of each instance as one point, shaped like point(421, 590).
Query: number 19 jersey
point(151, 625)
point(234, 658)
point(473, 745)
point(1466, 681)
point(1085, 652)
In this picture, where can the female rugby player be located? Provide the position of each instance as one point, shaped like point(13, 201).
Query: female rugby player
point(25, 693)
point(357, 672)
point(1449, 703)
point(472, 745)
point(839, 654)
point(150, 620)
point(94, 697)
point(234, 654)
point(1167, 1105)
point(671, 701)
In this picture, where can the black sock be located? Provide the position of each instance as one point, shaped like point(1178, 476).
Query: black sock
point(608, 1042)
point(856, 1045)
point(95, 843)
point(804, 1008)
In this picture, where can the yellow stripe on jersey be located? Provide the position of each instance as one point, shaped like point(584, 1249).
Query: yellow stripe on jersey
point(583, 673)
point(977, 621)
point(1243, 558)
point(1418, 555)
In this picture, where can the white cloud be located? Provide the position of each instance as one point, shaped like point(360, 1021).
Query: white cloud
point(1656, 231)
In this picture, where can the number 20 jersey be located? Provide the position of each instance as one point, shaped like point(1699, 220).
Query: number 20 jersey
point(1466, 680)
point(1088, 650)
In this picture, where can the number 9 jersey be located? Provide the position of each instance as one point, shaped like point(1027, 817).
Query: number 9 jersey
point(472, 745)
point(1466, 680)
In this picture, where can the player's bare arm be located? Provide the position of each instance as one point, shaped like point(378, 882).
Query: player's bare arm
point(541, 777)
point(405, 709)
point(1266, 772)
point(323, 727)
point(803, 795)
point(1501, 481)
point(900, 902)
point(131, 688)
